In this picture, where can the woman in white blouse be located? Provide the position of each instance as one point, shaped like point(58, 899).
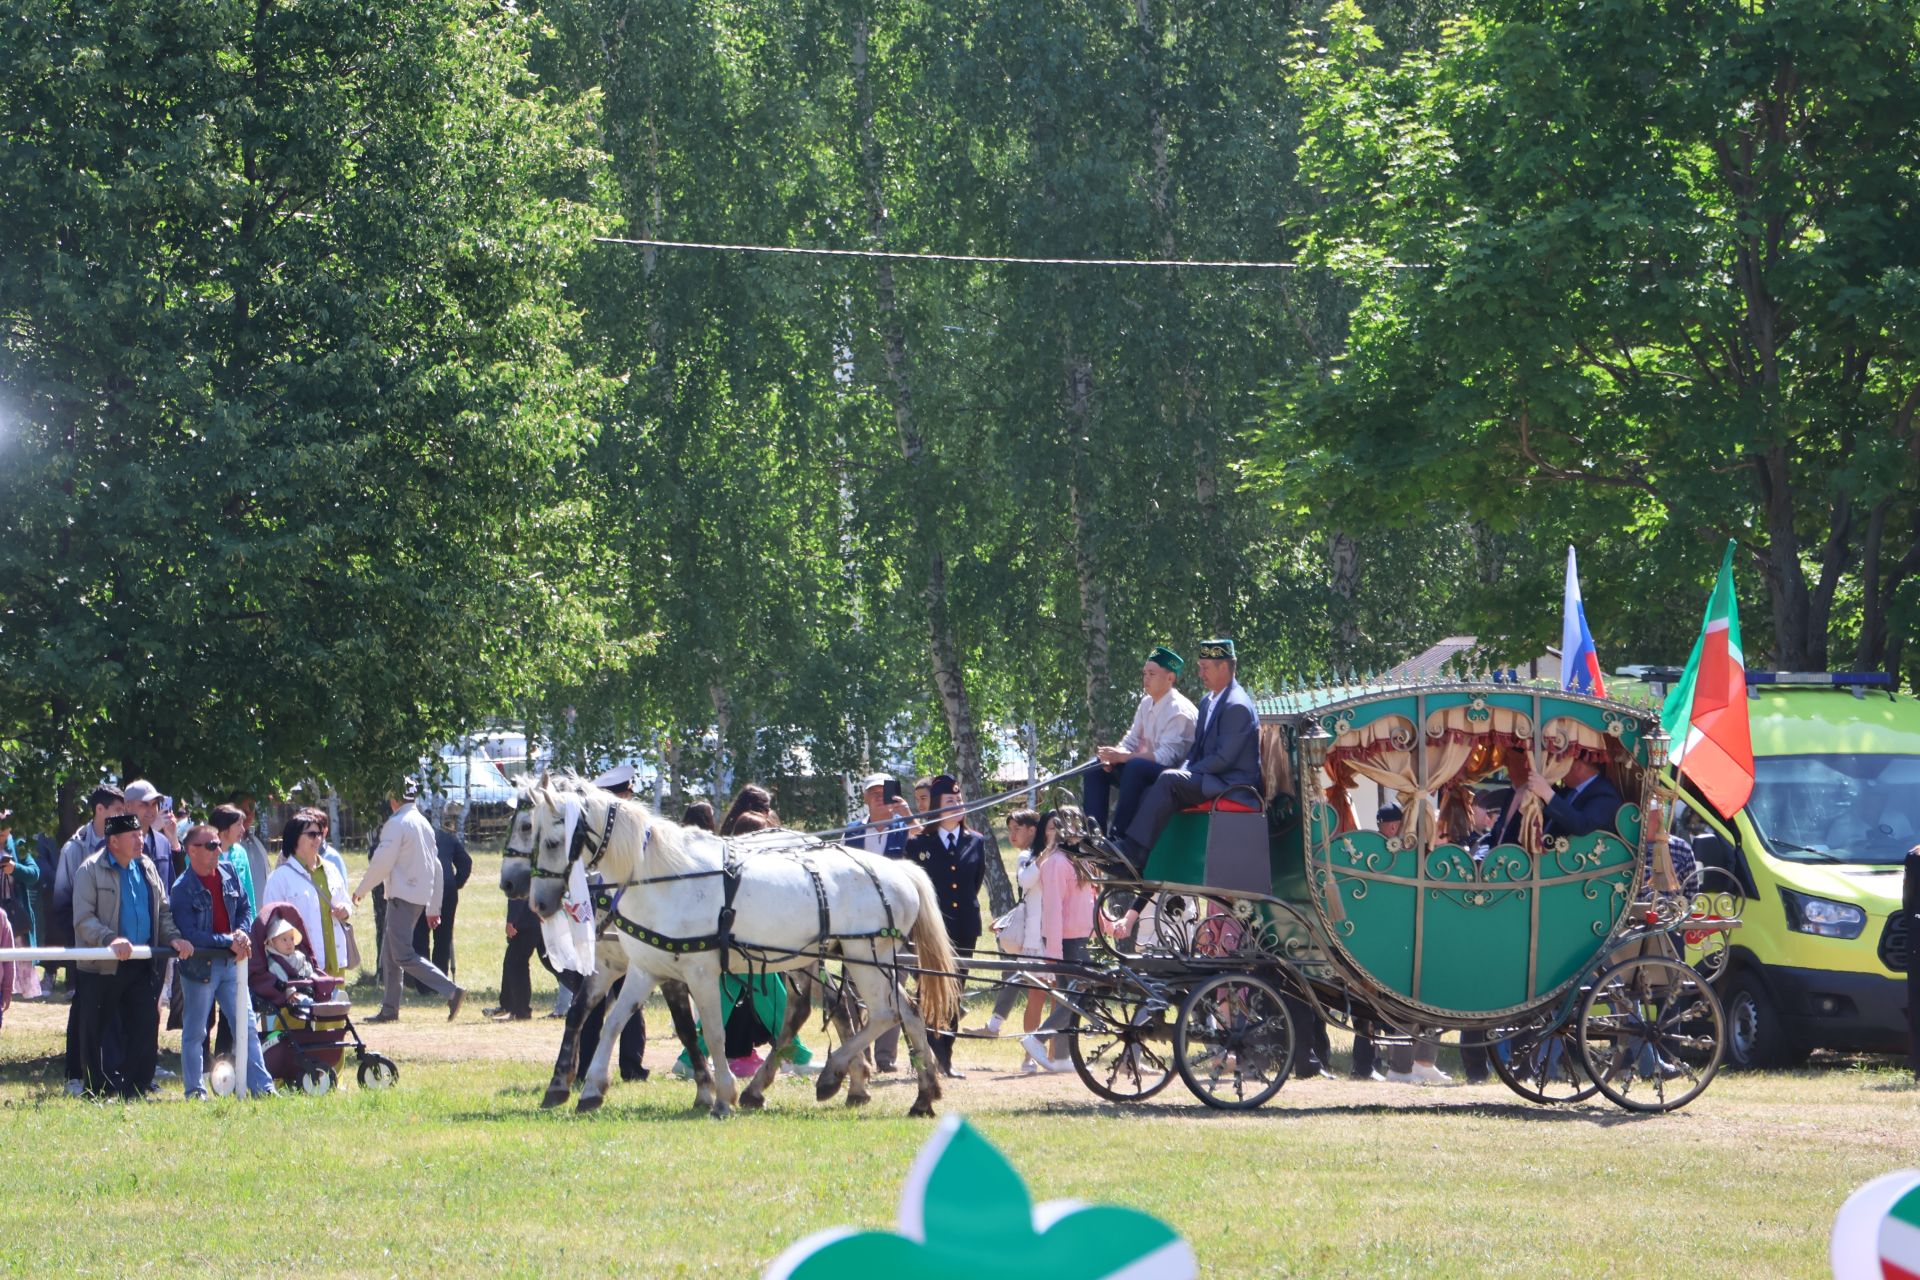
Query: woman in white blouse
point(1019, 929)
point(315, 889)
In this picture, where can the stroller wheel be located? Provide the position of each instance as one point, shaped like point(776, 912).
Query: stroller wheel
point(220, 1076)
point(317, 1081)
point(377, 1072)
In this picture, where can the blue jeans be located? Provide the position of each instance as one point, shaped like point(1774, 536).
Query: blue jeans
point(198, 998)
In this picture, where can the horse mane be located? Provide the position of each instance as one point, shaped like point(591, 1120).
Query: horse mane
point(667, 853)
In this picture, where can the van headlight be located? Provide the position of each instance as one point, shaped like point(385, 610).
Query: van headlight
point(1824, 916)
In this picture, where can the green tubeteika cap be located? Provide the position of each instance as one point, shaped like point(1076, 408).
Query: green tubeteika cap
point(1165, 657)
point(1218, 647)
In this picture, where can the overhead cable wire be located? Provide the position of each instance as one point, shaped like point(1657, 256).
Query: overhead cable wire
point(805, 251)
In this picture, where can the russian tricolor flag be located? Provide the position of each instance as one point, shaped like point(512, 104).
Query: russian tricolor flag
point(1579, 660)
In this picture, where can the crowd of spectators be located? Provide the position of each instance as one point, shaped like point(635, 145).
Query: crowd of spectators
point(165, 904)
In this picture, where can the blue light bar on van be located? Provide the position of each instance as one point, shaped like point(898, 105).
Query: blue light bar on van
point(1880, 678)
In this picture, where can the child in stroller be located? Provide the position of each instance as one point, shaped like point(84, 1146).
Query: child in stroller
point(305, 1026)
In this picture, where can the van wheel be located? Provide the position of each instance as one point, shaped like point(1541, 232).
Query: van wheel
point(1756, 1037)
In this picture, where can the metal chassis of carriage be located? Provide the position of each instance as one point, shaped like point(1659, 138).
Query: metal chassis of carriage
point(1216, 999)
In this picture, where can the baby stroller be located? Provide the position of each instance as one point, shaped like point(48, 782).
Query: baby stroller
point(305, 1026)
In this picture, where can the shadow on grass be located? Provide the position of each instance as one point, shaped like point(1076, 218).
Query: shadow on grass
point(47, 1069)
point(1281, 1113)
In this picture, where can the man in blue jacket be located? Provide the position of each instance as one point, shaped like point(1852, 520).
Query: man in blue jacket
point(211, 911)
point(1225, 754)
point(1588, 802)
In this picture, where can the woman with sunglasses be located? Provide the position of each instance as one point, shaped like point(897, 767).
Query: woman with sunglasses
point(315, 889)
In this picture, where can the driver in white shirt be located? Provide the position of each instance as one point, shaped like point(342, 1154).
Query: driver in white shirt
point(1161, 734)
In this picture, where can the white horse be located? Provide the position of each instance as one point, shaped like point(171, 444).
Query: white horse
point(610, 965)
point(780, 908)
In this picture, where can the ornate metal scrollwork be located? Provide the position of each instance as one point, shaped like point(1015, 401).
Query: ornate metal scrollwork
point(1502, 866)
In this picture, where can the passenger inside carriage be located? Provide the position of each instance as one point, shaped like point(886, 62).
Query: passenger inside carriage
point(1587, 802)
point(1451, 775)
point(1496, 819)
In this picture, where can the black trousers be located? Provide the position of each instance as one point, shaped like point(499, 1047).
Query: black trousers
point(1312, 1051)
point(941, 1040)
point(1473, 1056)
point(516, 971)
point(1130, 781)
point(1913, 992)
point(1366, 1054)
point(633, 1036)
point(127, 998)
point(745, 1031)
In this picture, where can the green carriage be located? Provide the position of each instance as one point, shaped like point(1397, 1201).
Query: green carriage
point(1271, 910)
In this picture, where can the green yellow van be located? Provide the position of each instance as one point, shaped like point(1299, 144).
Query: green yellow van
point(1820, 959)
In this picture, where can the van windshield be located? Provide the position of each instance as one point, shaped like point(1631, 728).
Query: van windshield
point(1847, 808)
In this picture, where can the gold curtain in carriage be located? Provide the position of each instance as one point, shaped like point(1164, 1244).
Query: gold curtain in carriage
point(1276, 767)
point(1565, 740)
point(1382, 752)
point(1462, 742)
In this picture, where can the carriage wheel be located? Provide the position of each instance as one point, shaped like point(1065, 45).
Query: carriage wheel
point(1233, 1041)
point(1544, 1066)
point(1121, 1045)
point(377, 1072)
point(1652, 1033)
point(318, 1081)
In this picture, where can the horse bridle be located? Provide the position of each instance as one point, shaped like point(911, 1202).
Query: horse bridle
point(576, 847)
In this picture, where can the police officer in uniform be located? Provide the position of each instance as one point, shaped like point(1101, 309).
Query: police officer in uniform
point(955, 859)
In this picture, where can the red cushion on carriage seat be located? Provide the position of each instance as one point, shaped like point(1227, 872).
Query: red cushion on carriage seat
point(1221, 804)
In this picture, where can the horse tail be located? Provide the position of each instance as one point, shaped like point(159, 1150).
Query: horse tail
point(933, 953)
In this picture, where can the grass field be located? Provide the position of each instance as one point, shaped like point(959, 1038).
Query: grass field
point(458, 1172)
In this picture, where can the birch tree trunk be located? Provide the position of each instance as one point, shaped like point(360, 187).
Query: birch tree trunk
point(949, 673)
point(1094, 631)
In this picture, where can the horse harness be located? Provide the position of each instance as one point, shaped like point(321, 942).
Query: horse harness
point(607, 899)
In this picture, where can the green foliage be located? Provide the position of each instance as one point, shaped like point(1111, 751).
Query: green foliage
point(291, 392)
point(1640, 274)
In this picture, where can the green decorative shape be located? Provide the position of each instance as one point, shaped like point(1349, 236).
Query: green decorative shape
point(1477, 931)
point(965, 1213)
point(1180, 854)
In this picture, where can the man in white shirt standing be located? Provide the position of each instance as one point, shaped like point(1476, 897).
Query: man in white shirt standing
point(407, 865)
point(884, 833)
point(1161, 734)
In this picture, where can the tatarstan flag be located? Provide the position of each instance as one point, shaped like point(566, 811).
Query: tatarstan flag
point(1706, 714)
point(1900, 1239)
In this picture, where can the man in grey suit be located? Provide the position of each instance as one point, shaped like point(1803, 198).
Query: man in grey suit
point(1225, 754)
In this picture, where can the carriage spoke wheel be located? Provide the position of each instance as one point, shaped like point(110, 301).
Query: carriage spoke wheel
point(1233, 1041)
point(1651, 1034)
point(1544, 1066)
point(1122, 1045)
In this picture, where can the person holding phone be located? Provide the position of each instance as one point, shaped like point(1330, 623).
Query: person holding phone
point(885, 830)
